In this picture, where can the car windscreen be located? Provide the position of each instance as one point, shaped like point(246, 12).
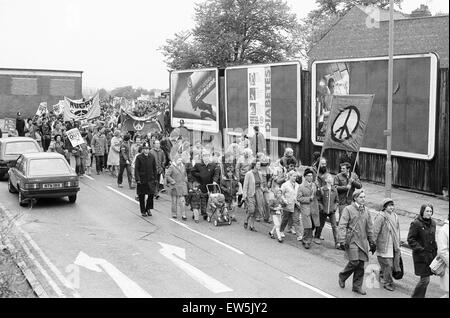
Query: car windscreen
point(20, 147)
point(48, 167)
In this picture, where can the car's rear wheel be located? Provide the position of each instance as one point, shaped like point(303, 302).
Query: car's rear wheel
point(22, 201)
point(11, 188)
point(72, 198)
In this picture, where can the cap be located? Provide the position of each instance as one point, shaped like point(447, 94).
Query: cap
point(386, 201)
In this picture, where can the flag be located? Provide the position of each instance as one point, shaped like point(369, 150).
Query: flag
point(79, 111)
point(141, 125)
point(348, 121)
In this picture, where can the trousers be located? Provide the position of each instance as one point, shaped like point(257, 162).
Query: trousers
point(357, 269)
point(121, 170)
point(145, 206)
point(421, 287)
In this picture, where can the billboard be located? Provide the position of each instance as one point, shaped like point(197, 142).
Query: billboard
point(267, 96)
point(414, 101)
point(195, 99)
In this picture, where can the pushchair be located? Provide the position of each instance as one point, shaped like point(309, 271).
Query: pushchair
point(217, 212)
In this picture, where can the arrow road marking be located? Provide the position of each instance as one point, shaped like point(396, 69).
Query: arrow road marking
point(128, 287)
point(178, 255)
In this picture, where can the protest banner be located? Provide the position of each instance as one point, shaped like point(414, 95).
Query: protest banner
point(75, 138)
point(58, 109)
point(86, 110)
point(42, 109)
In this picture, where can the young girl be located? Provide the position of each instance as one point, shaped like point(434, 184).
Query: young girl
point(194, 198)
point(276, 205)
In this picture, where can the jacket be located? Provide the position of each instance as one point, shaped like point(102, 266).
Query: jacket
point(205, 174)
point(328, 200)
point(421, 238)
point(145, 169)
point(230, 188)
point(124, 154)
point(249, 187)
point(382, 230)
point(290, 192)
point(309, 207)
point(242, 167)
point(160, 159)
point(260, 140)
point(442, 243)
point(99, 145)
point(356, 228)
point(341, 181)
point(194, 199)
point(176, 179)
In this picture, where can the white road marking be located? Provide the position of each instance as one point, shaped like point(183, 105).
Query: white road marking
point(185, 226)
point(52, 267)
point(89, 177)
point(128, 287)
point(171, 252)
point(314, 289)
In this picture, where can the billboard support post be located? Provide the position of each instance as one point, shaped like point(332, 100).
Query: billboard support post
point(388, 178)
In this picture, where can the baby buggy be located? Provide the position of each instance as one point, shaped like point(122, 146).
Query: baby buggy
point(217, 211)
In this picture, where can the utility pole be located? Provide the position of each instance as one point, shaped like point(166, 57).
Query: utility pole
point(388, 132)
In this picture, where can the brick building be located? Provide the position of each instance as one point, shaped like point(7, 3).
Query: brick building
point(24, 89)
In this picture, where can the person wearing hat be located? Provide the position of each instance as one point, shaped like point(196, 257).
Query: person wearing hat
point(386, 233)
point(20, 125)
point(145, 174)
point(258, 141)
point(346, 183)
point(309, 207)
point(422, 240)
point(355, 236)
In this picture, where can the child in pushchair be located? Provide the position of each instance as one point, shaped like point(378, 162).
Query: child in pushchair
point(217, 209)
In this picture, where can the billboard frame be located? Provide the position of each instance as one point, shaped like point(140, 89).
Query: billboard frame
point(215, 69)
point(434, 62)
point(299, 98)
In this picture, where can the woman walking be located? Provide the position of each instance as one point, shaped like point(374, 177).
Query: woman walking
point(421, 238)
point(176, 180)
point(113, 156)
point(253, 194)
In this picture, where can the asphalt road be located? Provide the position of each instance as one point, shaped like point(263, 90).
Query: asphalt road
point(101, 247)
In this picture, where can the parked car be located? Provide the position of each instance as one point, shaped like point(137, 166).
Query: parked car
point(11, 148)
point(42, 175)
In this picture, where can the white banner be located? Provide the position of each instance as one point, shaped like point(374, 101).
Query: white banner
point(75, 138)
point(58, 109)
point(259, 99)
point(42, 109)
point(87, 110)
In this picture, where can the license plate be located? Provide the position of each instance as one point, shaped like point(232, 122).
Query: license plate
point(52, 185)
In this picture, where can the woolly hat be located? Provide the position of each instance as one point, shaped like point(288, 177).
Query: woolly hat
point(385, 203)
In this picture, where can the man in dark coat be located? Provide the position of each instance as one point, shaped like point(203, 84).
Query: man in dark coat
point(421, 238)
point(355, 234)
point(20, 125)
point(205, 172)
point(145, 174)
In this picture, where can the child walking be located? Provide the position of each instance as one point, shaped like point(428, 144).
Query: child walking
point(276, 205)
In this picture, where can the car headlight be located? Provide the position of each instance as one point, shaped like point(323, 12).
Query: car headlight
point(31, 186)
point(71, 184)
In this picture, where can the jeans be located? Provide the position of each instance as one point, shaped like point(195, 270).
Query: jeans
point(121, 170)
point(99, 163)
point(285, 218)
point(386, 265)
point(297, 222)
point(277, 223)
point(145, 207)
point(323, 218)
point(357, 269)
point(421, 287)
point(177, 202)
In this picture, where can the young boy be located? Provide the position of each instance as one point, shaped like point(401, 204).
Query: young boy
point(276, 205)
point(194, 199)
point(230, 187)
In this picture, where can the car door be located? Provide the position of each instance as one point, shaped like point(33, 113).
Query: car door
point(14, 170)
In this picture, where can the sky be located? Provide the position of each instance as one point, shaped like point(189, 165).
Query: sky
point(114, 42)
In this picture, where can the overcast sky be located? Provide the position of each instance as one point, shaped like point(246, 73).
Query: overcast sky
point(115, 42)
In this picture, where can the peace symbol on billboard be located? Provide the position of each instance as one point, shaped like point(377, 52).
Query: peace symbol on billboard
point(345, 124)
point(138, 125)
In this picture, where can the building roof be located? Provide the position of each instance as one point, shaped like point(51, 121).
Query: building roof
point(364, 32)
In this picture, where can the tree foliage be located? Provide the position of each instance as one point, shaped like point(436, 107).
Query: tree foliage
point(231, 32)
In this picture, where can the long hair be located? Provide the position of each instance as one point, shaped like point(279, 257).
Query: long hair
point(424, 206)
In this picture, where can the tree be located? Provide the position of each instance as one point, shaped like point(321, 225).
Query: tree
point(231, 32)
point(318, 22)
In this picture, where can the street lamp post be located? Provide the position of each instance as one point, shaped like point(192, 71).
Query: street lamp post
point(388, 178)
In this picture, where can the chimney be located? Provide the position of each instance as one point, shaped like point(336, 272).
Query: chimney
point(423, 11)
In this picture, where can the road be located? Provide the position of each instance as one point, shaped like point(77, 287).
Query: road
point(101, 247)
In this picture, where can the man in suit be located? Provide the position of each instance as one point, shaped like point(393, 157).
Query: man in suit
point(258, 142)
point(145, 174)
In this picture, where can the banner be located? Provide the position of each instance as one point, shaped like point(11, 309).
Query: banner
point(141, 126)
point(87, 110)
point(348, 121)
point(58, 109)
point(8, 126)
point(75, 138)
point(260, 100)
point(195, 99)
point(42, 109)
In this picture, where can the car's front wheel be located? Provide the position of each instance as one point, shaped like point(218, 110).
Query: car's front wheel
point(72, 198)
point(11, 188)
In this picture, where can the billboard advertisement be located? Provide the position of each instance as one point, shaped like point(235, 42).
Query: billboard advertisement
point(267, 96)
point(195, 99)
point(414, 101)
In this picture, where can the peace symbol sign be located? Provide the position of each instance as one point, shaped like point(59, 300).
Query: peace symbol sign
point(138, 125)
point(345, 124)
